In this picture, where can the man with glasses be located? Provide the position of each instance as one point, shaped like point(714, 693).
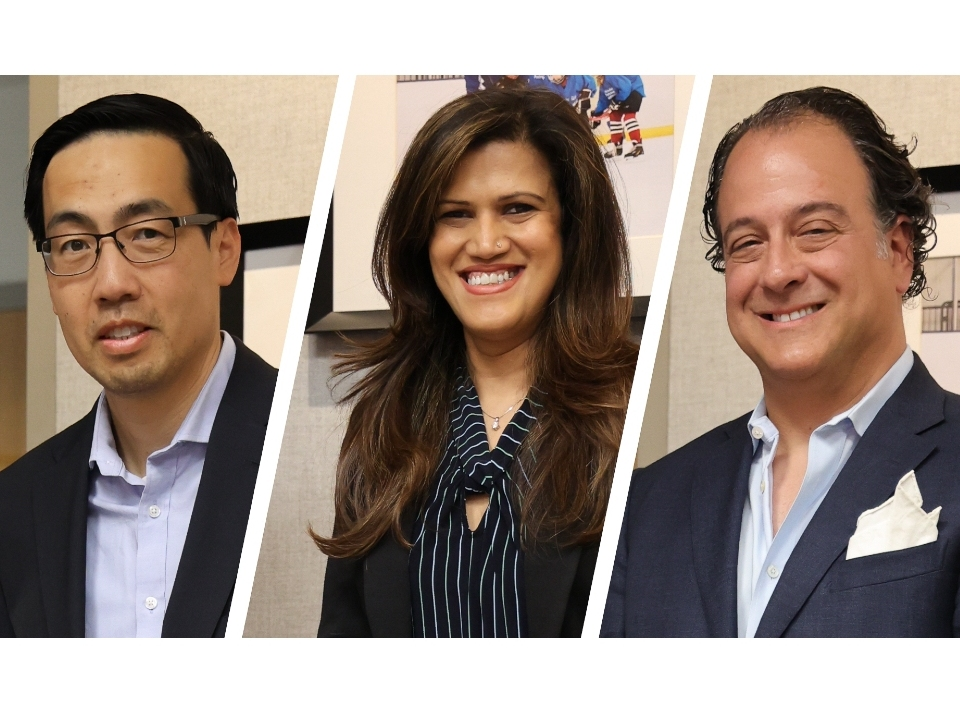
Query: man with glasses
point(131, 522)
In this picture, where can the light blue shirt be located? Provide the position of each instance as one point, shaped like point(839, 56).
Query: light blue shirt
point(762, 556)
point(136, 527)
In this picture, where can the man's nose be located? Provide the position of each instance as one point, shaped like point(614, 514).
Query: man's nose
point(117, 278)
point(783, 264)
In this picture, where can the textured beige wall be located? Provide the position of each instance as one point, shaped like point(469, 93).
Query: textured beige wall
point(289, 582)
point(654, 435)
point(273, 129)
point(711, 380)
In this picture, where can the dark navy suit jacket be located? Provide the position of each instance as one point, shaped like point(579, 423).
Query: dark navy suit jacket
point(43, 520)
point(675, 572)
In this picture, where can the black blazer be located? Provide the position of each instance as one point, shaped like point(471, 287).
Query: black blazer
point(43, 520)
point(370, 596)
point(675, 572)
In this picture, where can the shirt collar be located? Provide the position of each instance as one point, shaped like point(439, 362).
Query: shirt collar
point(860, 415)
point(196, 426)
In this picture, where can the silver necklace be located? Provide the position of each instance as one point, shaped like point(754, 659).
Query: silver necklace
point(495, 425)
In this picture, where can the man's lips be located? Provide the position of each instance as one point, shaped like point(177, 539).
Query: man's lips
point(788, 315)
point(123, 336)
point(121, 332)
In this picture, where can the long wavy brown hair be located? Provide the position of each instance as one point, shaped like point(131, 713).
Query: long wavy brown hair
point(582, 360)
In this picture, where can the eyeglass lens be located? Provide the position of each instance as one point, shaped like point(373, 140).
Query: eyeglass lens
point(141, 242)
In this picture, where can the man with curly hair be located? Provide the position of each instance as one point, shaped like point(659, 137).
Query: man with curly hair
point(832, 509)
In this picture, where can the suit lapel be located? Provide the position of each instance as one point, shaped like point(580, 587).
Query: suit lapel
point(211, 553)
point(60, 521)
point(891, 447)
point(718, 496)
point(548, 577)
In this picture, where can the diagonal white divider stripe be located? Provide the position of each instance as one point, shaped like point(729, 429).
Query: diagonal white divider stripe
point(291, 353)
point(648, 353)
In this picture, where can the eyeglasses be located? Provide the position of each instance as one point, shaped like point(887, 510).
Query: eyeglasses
point(140, 242)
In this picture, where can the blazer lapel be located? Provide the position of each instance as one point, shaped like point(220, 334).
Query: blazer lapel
point(891, 447)
point(211, 554)
point(718, 498)
point(386, 585)
point(60, 521)
point(548, 577)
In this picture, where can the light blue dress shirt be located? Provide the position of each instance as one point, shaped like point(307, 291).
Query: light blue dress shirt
point(762, 555)
point(136, 527)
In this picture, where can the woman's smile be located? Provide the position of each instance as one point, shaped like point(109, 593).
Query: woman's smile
point(496, 248)
point(491, 279)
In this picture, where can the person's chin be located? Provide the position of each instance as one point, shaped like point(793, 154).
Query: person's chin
point(138, 380)
point(142, 372)
point(510, 330)
point(790, 366)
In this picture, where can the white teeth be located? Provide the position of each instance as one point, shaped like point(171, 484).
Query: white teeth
point(126, 331)
point(499, 278)
point(795, 315)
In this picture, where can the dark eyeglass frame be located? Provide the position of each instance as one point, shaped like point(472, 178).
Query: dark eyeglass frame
point(178, 221)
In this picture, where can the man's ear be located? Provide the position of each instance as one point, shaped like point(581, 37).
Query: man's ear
point(899, 243)
point(225, 243)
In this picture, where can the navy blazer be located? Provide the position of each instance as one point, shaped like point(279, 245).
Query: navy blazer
point(43, 520)
point(675, 572)
point(370, 596)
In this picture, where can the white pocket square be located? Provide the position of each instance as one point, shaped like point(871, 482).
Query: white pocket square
point(897, 524)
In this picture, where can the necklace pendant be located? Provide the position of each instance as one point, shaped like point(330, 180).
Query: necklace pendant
point(496, 424)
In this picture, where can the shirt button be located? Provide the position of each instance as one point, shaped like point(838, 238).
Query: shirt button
point(763, 487)
point(757, 433)
point(773, 572)
point(150, 603)
point(154, 511)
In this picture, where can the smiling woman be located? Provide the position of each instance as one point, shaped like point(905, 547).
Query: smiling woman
point(474, 476)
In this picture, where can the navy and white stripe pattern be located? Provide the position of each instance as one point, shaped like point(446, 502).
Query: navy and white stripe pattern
point(467, 583)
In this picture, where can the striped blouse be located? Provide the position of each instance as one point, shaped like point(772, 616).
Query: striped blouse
point(467, 583)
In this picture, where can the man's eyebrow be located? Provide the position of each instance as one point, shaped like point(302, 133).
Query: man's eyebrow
point(736, 224)
point(807, 209)
point(69, 216)
point(150, 206)
point(141, 207)
point(820, 206)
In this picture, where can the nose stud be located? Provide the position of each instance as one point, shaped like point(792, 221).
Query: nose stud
point(499, 246)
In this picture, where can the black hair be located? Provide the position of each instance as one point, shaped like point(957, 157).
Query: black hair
point(896, 185)
point(211, 180)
